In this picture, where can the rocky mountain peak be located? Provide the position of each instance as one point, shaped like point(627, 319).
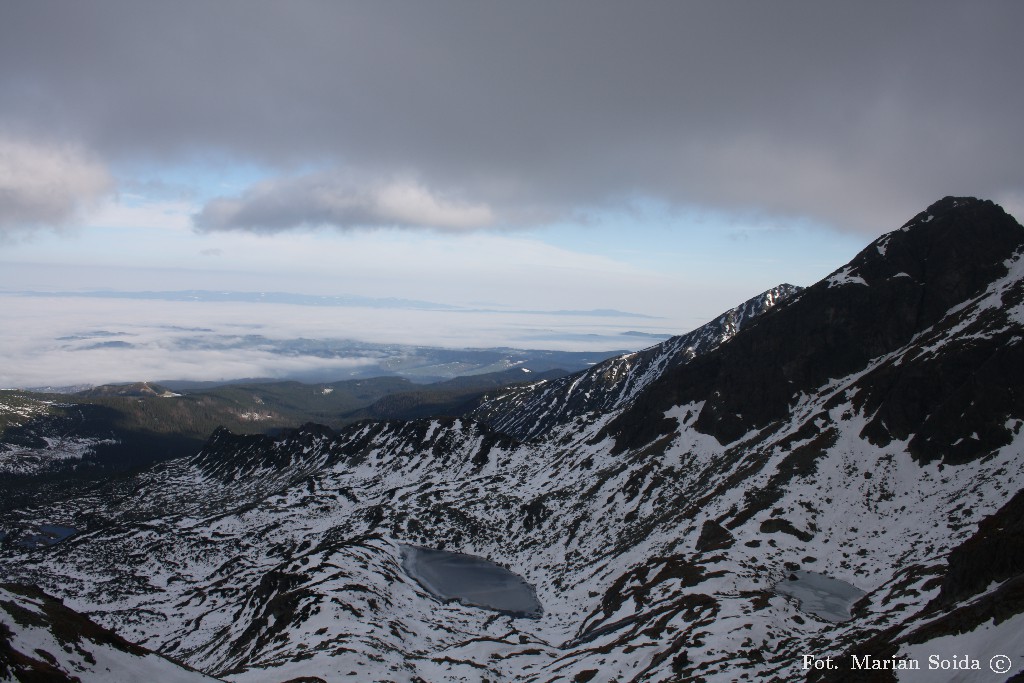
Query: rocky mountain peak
point(951, 249)
point(902, 284)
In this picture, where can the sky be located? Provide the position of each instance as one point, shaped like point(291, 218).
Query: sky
point(666, 159)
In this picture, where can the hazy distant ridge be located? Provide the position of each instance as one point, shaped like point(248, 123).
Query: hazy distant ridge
point(293, 299)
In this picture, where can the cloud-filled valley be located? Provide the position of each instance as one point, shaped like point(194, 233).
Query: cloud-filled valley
point(72, 340)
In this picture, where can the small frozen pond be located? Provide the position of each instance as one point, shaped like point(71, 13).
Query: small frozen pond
point(820, 595)
point(471, 580)
point(46, 534)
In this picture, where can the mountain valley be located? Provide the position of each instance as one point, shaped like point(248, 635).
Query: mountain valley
point(865, 429)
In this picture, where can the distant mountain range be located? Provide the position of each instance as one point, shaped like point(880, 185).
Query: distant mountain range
point(292, 299)
point(820, 484)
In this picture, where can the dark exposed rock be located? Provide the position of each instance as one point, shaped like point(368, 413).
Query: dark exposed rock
point(993, 554)
point(534, 513)
point(714, 536)
point(775, 525)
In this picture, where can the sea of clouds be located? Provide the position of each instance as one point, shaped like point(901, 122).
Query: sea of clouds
point(63, 340)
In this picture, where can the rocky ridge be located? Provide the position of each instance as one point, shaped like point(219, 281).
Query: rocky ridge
point(533, 410)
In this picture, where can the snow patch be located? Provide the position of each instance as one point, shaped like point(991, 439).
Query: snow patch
point(845, 277)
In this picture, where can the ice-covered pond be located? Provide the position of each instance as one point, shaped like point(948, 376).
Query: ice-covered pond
point(820, 595)
point(470, 580)
point(43, 535)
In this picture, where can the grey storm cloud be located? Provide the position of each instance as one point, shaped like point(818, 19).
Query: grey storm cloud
point(854, 114)
point(46, 184)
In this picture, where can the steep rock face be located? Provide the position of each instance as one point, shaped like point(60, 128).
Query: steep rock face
point(532, 411)
point(900, 286)
point(654, 536)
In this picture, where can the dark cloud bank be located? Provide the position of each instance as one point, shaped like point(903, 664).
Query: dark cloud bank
point(466, 115)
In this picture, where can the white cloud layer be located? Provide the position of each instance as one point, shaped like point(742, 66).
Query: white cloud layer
point(330, 199)
point(60, 341)
point(46, 185)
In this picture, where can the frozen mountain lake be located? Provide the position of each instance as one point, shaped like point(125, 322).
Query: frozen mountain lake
point(820, 595)
point(470, 580)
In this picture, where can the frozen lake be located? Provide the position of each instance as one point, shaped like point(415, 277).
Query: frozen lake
point(820, 595)
point(470, 580)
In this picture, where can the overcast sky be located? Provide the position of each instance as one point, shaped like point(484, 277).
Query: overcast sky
point(671, 158)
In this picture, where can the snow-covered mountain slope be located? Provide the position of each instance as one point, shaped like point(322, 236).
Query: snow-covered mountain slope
point(42, 640)
point(868, 430)
point(530, 411)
